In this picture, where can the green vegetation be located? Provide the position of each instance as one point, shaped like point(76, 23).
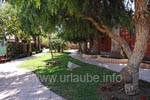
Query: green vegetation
point(70, 90)
point(35, 62)
point(81, 21)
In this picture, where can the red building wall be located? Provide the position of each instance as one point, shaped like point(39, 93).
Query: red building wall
point(131, 38)
point(104, 43)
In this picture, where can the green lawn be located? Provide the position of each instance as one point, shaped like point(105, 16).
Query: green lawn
point(35, 62)
point(69, 88)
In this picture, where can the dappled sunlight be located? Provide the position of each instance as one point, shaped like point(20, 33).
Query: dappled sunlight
point(69, 87)
point(9, 93)
point(22, 85)
point(123, 64)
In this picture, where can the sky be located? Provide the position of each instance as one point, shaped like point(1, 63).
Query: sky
point(2, 2)
point(129, 4)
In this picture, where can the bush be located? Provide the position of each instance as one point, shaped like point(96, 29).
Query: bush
point(17, 50)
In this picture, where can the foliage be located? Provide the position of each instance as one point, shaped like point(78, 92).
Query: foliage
point(76, 30)
point(58, 44)
point(50, 14)
point(45, 41)
point(17, 50)
point(9, 21)
point(70, 14)
point(111, 12)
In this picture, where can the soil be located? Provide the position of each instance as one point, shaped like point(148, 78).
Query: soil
point(53, 63)
point(115, 91)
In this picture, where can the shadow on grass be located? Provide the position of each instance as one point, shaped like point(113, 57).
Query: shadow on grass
point(76, 88)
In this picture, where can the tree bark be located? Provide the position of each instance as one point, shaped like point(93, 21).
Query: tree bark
point(115, 47)
point(95, 49)
point(142, 30)
point(50, 47)
point(80, 48)
point(130, 74)
point(29, 48)
point(85, 47)
point(35, 42)
point(38, 43)
point(105, 29)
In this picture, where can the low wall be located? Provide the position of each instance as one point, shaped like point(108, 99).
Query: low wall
point(111, 60)
point(89, 56)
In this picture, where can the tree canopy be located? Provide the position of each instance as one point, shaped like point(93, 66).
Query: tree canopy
point(71, 14)
point(78, 19)
point(9, 23)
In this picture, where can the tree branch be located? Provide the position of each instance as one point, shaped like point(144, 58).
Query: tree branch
point(95, 24)
point(115, 37)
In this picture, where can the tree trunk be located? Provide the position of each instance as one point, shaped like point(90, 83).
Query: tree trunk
point(58, 48)
point(35, 42)
point(130, 74)
point(115, 47)
point(131, 71)
point(95, 49)
point(50, 47)
point(85, 47)
point(38, 43)
point(80, 48)
point(104, 29)
point(29, 48)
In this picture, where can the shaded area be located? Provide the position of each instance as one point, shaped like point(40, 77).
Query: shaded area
point(22, 84)
point(71, 89)
point(23, 87)
point(115, 91)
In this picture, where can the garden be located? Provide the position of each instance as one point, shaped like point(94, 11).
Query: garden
point(115, 30)
point(79, 83)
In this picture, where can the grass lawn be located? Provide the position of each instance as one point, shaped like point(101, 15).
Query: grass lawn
point(71, 88)
point(35, 62)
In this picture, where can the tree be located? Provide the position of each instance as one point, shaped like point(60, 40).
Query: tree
point(103, 20)
point(104, 15)
point(77, 31)
point(141, 23)
point(9, 20)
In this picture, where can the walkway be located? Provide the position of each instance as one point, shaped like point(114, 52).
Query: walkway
point(144, 74)
point(22, 84)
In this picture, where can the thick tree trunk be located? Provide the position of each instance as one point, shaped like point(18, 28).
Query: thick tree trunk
point(115, 47)
point(132, 69)
point(80, 47)
point(95, 49)
point(29, 48)
point(130, 74)
point(142, 30)
point(84, 47)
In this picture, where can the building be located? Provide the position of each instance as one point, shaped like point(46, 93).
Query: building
point(106, 44)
